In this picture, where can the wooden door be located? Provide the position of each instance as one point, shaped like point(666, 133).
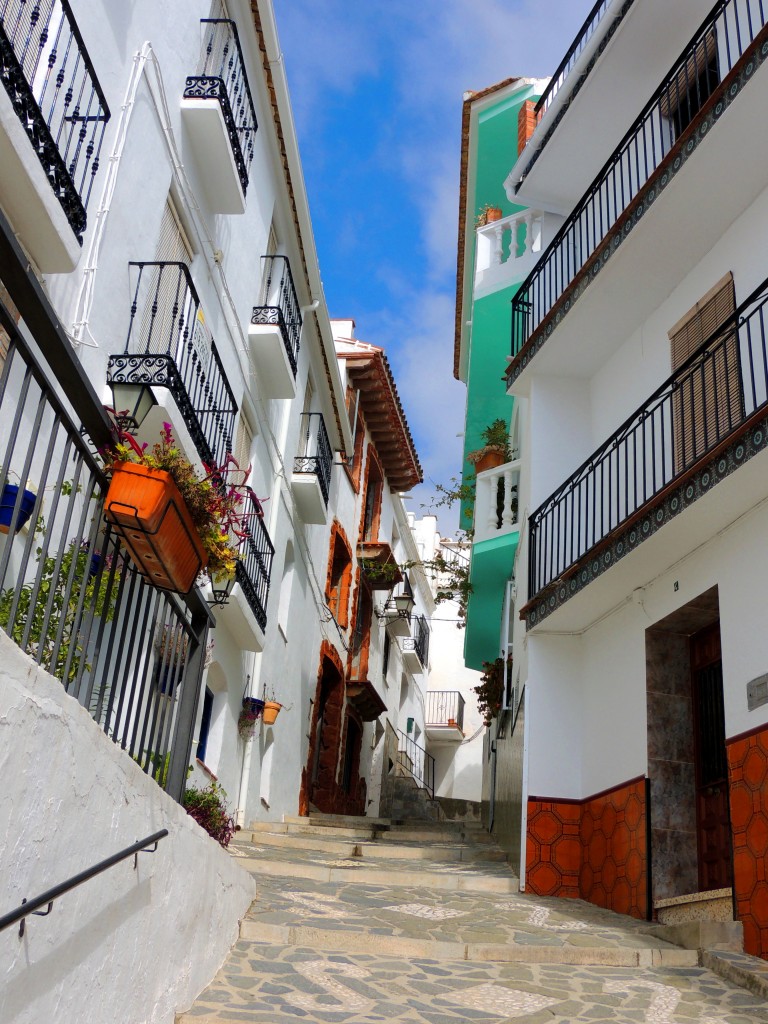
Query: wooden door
point(712, 816)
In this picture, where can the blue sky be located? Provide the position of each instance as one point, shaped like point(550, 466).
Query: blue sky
point(376, 88)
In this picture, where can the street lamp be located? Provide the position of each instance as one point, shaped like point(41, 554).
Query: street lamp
point(132, 403)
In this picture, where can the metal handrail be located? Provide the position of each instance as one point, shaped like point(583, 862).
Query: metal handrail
point(31, 906)
point(417, 762)
point(706, 400)
point(574, 50)
point(648, 142)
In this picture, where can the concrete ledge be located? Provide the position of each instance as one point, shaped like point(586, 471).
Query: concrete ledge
point(746, 971)
point(716, 935)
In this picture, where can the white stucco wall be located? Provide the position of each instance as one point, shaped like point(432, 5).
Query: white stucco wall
point(128, 946)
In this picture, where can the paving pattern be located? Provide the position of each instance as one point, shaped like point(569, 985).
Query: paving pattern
point(350, 951)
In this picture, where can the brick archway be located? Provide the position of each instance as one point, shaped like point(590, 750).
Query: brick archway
point(325, 734)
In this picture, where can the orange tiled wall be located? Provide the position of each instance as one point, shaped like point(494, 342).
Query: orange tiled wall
point(595, 849)
point(748, 777)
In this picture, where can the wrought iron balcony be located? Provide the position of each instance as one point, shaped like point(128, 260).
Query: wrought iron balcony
point(681, 430)
point(316, 457)
point(221, 79)
point(168, 346)
point(689, 96)
point(417, 644)
point(254, 564)
point(445, 708)
point(51, 83)
point(277, 362)
point(565, 66)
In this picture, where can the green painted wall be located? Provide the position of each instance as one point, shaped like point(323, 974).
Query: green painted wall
point(492, 563)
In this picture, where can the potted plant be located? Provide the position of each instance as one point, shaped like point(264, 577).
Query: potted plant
point(271, 707)
point(173, 522)
point(487, 215)
point(490, 690)
point(249, 715)
point(8, 499)
point(495, 451)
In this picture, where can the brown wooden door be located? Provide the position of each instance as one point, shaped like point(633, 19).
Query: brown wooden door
point(712, 817)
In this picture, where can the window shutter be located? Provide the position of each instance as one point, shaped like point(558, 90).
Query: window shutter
point(686, 81)
point(243, 442)
point(707, 401)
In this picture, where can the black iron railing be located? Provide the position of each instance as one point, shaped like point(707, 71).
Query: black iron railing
point(53, 88)
point(721, 41)
point(47, 899)
point(130, 654)
point(254, 564)
point(221, 77)
point(574, 51)
point(169, 346)
point(316, 456)
point(445, 707)
point(713, 393)
point(416, 762)
point(280, 305)
point(419, 642)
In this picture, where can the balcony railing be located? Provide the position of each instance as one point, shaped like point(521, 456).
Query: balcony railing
point(280, 305)
point(511, 242)
point(718, 45)
point(254, 564)
point(221, 77)
point(316, 456)
point(574, 52)
point(496, 501)
point(445, 707)
point(419, 642)
point(168, 346)
point(52, 85)
point(718, 389)
point(130, 654)
point(413, 760)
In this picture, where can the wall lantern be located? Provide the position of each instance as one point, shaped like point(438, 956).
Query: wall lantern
point(132, 403)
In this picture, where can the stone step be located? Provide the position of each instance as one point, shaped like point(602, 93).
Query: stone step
point(740, 968)
point(342, 820)
point(306, 829)
point(356, 870)
point(392, 850)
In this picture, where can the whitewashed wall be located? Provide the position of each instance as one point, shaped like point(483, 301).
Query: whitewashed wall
point(126, 947)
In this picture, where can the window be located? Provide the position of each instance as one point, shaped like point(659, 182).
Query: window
point(205, 725)
point(243, 441)
point(694, 83)
point(372, 510)
point(708, 401)
point(286, 588)
point(385, 660)
point(339, 577)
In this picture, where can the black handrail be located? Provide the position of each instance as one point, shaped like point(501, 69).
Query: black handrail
point(31, 906)
point(724, 37)
point(564, 67)
point(417, 762)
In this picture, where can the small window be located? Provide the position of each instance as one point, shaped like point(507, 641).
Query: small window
point(693, 84)
point(205, 725)
point(243, 442)
point(374, 486)
point(339, 579)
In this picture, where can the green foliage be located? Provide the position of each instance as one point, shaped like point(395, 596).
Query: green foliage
point(209, 809)
point(53, 614)
point(496, 434)
point(490, 690)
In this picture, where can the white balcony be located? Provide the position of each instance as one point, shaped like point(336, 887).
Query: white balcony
point(238, 618)
point(411, 658)
point(507, 249)
point(397, 624)
point(496, 502)
point(309, 498)
point(270, 358)
point(210, 143)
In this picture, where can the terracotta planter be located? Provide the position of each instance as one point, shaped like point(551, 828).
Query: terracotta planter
point(490, 460)
point(492, 213)
point(152, 521)
point(270, 712)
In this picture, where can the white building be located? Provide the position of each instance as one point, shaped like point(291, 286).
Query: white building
point(638, 365)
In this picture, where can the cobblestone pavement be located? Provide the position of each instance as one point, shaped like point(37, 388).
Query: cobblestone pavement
point(311, 950)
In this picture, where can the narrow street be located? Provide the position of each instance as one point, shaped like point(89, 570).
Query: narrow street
point(425, 924)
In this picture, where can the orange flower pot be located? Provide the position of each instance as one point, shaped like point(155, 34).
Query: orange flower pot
point(491, 460)
point(270, 712)
point(492, 213)
point(148, 513)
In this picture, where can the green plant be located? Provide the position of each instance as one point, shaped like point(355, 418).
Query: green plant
point(49, 629)
point(490, 690)
point(215, 503)
point(209, 809)
point(496, 434)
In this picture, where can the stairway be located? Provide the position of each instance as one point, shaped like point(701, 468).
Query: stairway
point(362, 920)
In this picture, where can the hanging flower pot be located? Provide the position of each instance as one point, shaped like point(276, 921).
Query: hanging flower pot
point(8, 503)
point(148, 513)
point(270, 712)
point(253, 706)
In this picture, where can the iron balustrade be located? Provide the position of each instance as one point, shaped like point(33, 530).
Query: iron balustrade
point(416, 762)
point(574, 52)
point(253, 569)
point(51, 83)
point(168, 345)
point(419, 642)
point(69, 597)
point(717, 46)
point(221, 77)
point(280, 305)
point(445, 707)
point(51, 895)
point(316, 456)
point(721, 386)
